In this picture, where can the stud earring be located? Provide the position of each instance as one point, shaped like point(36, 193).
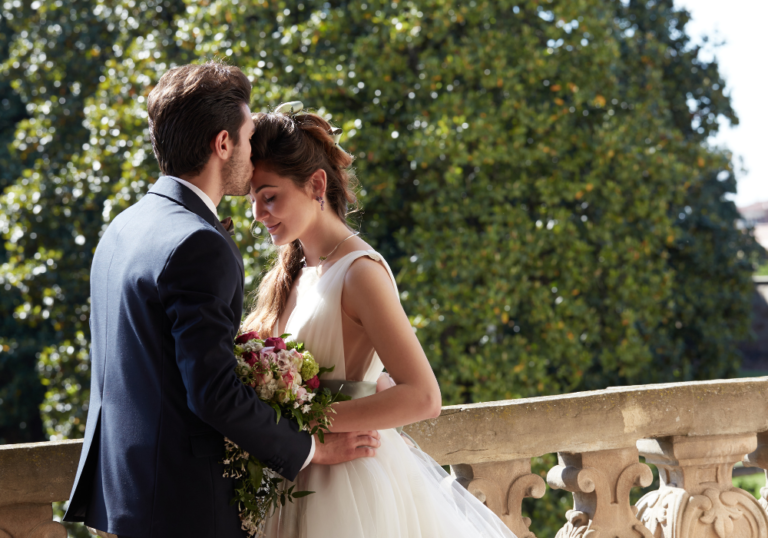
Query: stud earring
point(322, 203)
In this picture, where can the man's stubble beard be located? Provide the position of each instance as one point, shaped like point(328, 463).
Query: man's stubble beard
point(236, 176)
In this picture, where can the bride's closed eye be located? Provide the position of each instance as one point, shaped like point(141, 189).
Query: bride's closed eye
point(268, 200)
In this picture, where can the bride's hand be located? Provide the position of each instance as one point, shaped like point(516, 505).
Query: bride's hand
point(344, 447)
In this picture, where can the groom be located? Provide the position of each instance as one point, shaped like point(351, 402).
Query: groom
point(166, 304)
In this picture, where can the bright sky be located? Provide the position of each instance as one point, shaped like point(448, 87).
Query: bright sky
point(741, 24)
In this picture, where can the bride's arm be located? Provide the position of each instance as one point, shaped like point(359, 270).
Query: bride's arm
point(369, 297)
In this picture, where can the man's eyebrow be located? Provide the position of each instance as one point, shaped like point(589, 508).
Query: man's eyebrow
point(263, 187)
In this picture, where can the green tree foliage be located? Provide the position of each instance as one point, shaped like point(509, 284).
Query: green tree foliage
point(20, 389)
point(536, 173)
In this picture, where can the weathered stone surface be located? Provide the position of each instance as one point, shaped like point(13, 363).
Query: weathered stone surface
point(696, 497)
point(600, 482)
point(29, 521)
point(502, 486)
point(38, 472)
point(759, 458)
point(592, 421)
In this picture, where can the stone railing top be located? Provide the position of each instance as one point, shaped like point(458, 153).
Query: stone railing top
point(487, 432)
point(38, 472)
point(598, 420)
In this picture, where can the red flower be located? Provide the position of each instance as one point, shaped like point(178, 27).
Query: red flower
point(243, 338)
point(250, 358)
point(276, 342)
point(313, 383)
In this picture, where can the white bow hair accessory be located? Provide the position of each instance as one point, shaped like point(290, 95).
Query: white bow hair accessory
point(291, 107)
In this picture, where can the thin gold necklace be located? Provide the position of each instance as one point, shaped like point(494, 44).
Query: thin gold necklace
point(323, 258)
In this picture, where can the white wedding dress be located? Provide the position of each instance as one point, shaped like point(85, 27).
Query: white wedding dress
point(399, 493)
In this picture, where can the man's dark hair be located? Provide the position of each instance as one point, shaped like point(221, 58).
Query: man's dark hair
point(187, 109)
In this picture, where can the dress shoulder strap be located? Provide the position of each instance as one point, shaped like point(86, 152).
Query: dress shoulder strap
point(375, 256)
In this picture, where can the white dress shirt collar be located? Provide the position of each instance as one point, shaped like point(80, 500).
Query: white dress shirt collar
point(204, 197)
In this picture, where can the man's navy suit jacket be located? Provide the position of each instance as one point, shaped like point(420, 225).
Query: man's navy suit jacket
point(166, 303)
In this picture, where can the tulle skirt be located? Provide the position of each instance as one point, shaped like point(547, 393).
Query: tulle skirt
point(399, 493)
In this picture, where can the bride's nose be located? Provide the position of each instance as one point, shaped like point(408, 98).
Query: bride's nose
point(259, 213)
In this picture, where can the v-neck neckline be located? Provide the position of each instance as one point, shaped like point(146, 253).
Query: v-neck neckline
point(316, 282)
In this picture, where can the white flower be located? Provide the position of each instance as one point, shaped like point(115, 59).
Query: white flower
point(310, 396)
point(306, 409)
point(253, 346)
point(267, 391)
point(296, 405)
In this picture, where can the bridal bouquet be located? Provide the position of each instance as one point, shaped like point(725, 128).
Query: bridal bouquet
point(286, 377)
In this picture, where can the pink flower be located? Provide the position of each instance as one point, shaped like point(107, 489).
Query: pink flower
point(276, 342)
point(301, 394)
point(268, 356)
point(250, 358)
point(246, 337)
point(263, 379)
point(313, 383)
point(288, 378)
point(283, 361)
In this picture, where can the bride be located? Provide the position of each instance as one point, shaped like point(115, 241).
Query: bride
point(332, 291)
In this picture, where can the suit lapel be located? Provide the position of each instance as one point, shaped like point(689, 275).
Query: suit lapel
point(170, 188)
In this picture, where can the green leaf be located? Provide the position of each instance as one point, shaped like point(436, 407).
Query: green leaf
point(255, 472)
point(278, 411)
point(325, 370)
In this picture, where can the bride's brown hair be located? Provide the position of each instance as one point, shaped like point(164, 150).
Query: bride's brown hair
point(296, 146)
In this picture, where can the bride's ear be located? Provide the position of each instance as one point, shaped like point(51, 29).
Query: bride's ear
point(318, 183)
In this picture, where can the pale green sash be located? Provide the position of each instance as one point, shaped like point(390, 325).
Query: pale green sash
point(353, 389)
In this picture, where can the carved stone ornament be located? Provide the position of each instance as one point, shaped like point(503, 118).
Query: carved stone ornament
point(696, 498)
point(29, 521)
point(759, 458)
point(502, 486)
point(600, 482)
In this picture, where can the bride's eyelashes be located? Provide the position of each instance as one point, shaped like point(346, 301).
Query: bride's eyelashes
point(269, 200)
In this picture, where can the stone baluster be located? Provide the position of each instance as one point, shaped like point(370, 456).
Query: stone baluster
point(32, 476)
point(33, 520)
point(502, 486)
point(696, 498)
point(600, 482)
point(759, 458)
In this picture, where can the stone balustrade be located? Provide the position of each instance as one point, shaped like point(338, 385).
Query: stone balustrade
point(693, 432)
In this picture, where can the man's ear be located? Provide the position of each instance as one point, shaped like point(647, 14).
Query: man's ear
point(318, 182)
point(222, 145)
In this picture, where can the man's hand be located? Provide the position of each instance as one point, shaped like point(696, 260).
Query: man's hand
point(344, 447)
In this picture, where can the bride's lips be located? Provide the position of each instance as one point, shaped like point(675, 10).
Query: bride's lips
point(271, 229)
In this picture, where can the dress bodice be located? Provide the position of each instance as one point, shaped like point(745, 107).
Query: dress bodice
point(400, 491)
point(316, 319)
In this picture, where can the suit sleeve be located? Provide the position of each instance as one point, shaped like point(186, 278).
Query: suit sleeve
point(197, 287)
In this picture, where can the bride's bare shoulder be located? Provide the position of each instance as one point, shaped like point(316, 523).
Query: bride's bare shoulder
point(365, 271)
point(367, 284)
